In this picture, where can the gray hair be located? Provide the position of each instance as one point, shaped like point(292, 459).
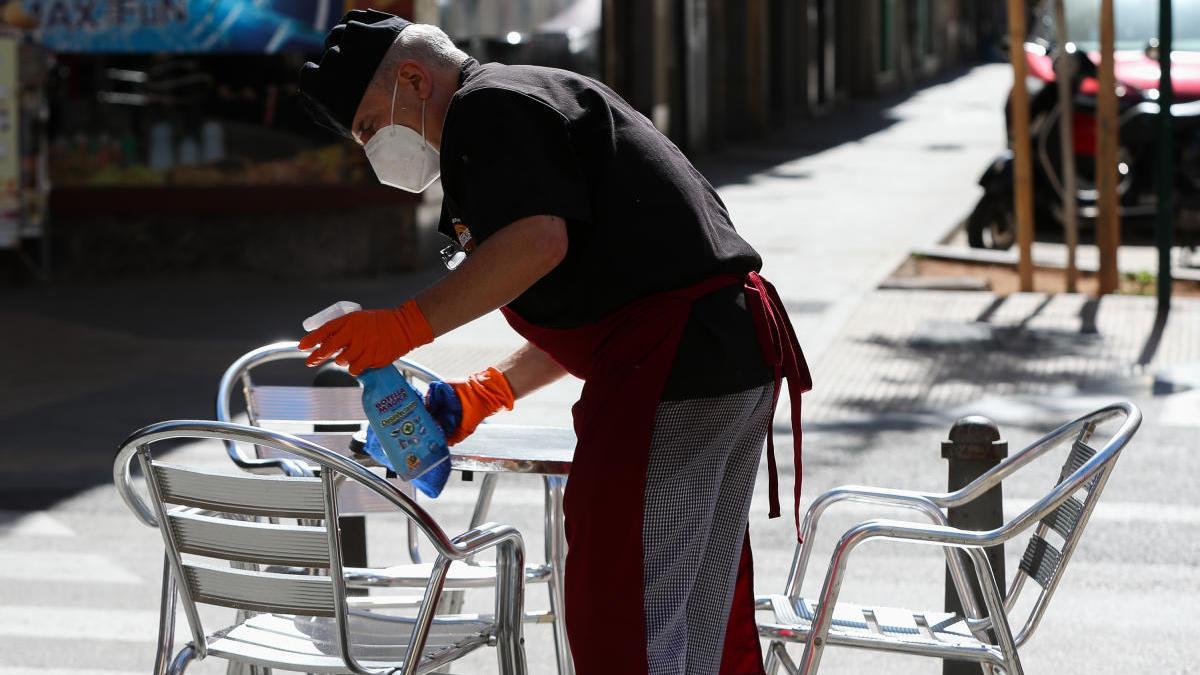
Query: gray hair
point(423, 43)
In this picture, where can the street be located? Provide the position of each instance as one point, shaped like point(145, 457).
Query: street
point(834, 205)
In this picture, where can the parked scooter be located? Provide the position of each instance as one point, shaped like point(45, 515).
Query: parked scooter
point(992, 223)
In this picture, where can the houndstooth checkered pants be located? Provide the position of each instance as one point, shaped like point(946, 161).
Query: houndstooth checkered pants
point(704, 455)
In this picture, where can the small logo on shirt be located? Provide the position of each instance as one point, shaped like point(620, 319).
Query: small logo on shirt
point(465, 240)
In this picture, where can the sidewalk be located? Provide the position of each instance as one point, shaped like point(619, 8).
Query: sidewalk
point(909, 363)
point(833, 206)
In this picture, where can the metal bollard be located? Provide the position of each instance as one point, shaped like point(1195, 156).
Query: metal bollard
point(973, 449)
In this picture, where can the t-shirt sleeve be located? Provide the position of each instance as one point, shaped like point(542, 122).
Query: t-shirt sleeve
point(516, 160)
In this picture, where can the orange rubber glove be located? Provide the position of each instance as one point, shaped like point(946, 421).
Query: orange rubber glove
point(468, 402)
point(368, 338)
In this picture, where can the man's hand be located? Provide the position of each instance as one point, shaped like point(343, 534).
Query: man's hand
point(370, 338)
point(460, 406)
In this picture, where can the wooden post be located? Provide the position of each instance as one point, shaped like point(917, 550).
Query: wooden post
point(1022, 148)
point(1070, 201)
point(1108, 228)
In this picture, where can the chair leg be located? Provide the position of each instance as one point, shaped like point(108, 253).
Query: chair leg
point(994, 601)
point(777, 656)
point(166, 619)
point(771, 663)
point(556, 557)
point(510, 599)
point(181, 661)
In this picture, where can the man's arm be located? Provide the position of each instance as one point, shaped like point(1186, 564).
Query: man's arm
point(460, 405)
point(529, 369)
point(503, 267)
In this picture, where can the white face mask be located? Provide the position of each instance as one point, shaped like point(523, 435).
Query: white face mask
point(401, 157)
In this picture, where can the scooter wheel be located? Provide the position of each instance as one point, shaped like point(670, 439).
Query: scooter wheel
point(991, 225)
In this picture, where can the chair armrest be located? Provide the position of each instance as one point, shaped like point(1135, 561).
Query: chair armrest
point(918, 501)
point(925, 503)
point(972, 543)
point(488, 535)
point(416, 576)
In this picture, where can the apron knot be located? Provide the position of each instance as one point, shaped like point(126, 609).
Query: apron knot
point(781, 351)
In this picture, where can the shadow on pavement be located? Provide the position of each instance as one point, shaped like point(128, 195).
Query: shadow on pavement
point(90, 363)
point(852, 121)
point(926, 374)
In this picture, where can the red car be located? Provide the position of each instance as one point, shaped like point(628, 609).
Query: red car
point(991, 224)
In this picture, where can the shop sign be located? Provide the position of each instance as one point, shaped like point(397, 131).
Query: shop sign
point(192, 26)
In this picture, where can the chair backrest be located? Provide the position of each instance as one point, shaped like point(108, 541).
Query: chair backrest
point(222, 532)
point(325, 410)
point(220, 529)
point(326, 415)
point(1059, 517)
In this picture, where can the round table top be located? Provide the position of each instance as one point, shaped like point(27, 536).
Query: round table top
point(516, 449)
point(507, 448)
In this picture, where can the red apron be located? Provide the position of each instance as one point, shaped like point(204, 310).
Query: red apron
point(625, 360)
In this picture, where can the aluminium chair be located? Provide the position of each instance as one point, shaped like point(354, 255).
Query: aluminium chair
point(221, 530)
point(328, 416)
point(983, 634)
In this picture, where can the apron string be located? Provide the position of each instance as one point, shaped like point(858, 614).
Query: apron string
point(781, 351)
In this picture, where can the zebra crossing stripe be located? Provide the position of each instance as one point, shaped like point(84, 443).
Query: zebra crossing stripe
point(71, 623)
point(32, 524)
point(1181, 410)
point(18, 670)
point(58, 566)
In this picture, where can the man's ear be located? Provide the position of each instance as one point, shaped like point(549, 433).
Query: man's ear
point(415, 78)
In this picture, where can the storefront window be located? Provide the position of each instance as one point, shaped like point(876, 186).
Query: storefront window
point(187, 120)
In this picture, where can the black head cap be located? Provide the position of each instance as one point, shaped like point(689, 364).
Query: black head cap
point(332, 89)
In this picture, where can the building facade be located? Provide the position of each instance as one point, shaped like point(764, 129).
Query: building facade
point(711, 71)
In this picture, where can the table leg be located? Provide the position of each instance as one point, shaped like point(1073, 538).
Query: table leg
point(354, 545)
point(453, 601)
point(556, 556)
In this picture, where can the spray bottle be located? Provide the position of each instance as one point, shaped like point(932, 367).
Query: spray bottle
point(407, 440)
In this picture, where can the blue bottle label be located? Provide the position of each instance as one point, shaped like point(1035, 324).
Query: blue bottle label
point(410, 439)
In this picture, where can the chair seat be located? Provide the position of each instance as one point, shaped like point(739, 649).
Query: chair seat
point(461, 576)
point(309, 644)
point(887, 628)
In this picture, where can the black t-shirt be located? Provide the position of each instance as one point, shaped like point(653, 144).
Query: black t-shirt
point(522, 141)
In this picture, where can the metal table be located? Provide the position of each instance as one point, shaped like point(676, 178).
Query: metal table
point(500, 448)
point(546, 451)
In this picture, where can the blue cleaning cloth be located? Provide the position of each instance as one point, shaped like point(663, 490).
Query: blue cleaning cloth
point(431, 483)
point(444, 407)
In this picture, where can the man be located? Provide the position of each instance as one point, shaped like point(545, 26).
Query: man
point(618, 263)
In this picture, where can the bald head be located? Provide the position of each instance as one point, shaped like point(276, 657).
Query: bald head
point(424, 44)
point(421, 71)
